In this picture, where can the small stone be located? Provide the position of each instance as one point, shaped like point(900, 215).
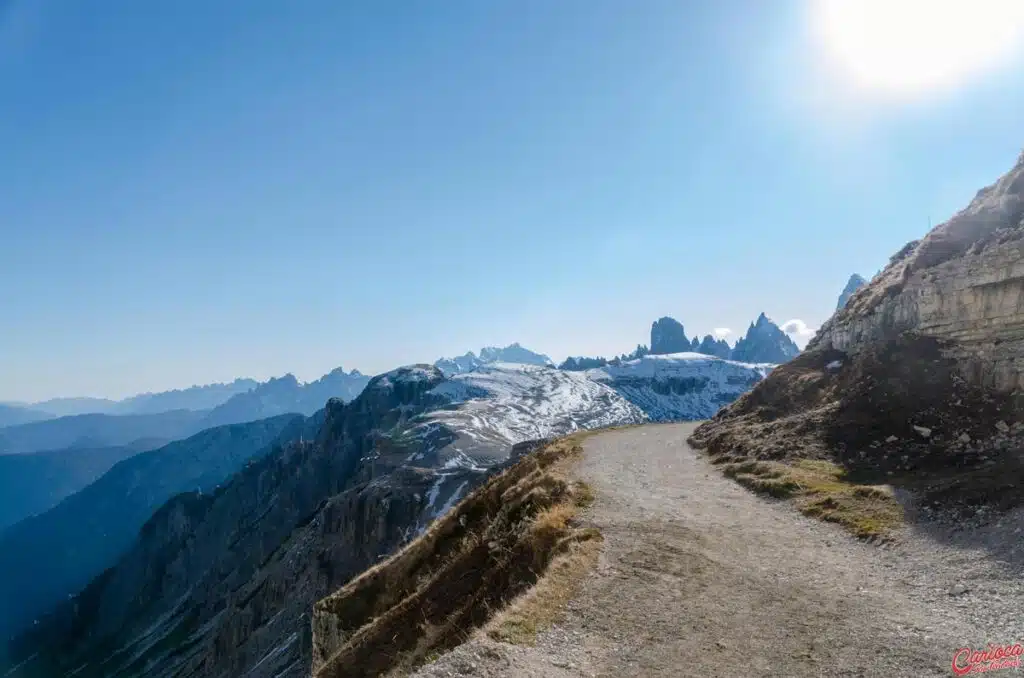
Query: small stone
point(923, 431)
point(964, 438)
point(720, 645)
point(891, 439)
point(1002, 426)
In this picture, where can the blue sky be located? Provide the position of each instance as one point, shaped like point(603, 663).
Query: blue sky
point(195, 191)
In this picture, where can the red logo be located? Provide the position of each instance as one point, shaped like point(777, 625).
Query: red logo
point(993, 658)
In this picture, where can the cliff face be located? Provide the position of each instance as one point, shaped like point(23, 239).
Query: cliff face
point(916, 382)
point(962, 283)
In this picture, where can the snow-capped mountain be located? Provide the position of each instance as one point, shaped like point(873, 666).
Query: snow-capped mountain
point(513, 353)
point(499, 405)
point(680, 386)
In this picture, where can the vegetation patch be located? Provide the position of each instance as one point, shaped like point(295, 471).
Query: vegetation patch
point(543, 605)
point(471, 564)
point(821, 489)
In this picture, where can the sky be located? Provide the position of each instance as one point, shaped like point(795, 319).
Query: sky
point(192, 192)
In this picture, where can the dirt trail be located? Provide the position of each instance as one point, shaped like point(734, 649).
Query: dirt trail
point(700, 577)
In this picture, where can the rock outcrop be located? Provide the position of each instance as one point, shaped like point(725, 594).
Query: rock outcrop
point(852, 285)
point(765, 342)
point(963, 283)
point(934, 343)
point(717, 347)
point(668, 336)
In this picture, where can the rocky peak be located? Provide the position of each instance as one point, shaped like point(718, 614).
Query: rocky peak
point(716, 347)
point(765, 342)
point(852, 285)
point(668, 336)
point(405, 386)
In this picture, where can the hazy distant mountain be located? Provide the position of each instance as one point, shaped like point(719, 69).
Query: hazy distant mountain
point(13, 415)
point(284, 395)
point(194, 398)
point(668, 336)
point(70, 407)
point(36, 482)
point(45, 558)
point(98, 430)
point(513, 353)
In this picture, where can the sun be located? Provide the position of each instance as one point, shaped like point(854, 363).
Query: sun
point(909, 48)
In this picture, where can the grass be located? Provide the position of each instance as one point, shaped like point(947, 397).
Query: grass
point(544, 604)
point(510, 552)
point(820, 489)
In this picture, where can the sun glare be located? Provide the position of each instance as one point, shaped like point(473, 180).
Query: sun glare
point(908, 48)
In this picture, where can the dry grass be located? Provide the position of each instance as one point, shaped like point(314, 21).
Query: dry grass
point(820, 489)
point(544, 604)
point(494, 546)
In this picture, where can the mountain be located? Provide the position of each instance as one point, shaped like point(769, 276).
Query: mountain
point(668, 336)
point(711, 346)
point(223, 583)
point(284, 395)
point(36, 482)
point(194, 398)
point(45, 558)
point(513, 353)
point(98, 430)
point(13, 415)
point(679, 387)
point(852, 285)
point(765, 342)
point(70, 407)
point(575, 364)
point(915, 383)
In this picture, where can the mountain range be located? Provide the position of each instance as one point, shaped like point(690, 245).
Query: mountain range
point(220, 581)
point(246, 398)
point(764, 342)
point(513, 353)
point(284, 395)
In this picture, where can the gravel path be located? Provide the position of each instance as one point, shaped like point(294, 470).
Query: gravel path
point(699, 577)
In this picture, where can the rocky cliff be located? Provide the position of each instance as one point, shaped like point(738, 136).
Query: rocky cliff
point(963, 283)
point(918, 377)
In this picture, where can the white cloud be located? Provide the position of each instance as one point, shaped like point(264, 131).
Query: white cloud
point(798, 331)
point(721, 332)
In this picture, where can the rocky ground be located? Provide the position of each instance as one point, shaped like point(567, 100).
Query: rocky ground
point(699, 577)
